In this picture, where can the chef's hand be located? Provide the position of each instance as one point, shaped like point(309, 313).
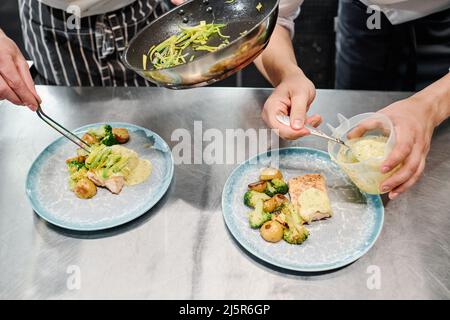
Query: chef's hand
point(414, 128)
point(177, 2)
point(292, 96)
point(415, 119)
point(414, 125)
point(16, 83)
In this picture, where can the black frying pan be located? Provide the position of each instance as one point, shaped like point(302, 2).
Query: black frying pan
point(240, 16)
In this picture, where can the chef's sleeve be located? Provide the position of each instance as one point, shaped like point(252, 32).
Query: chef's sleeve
point(289, 11)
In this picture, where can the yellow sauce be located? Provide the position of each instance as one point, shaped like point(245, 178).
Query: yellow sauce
point(313, 200)
point(138, 169)
point(362, 149)
point(363, 162)
point(140, 173)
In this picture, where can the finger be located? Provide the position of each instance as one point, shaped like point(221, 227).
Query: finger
point(406, 172)
point(401, 151)
point(363, 127)
point(177, 2)
point(284, 131)
point(288, 133)
point(314, 121)
point(408, 184)
point(7, 93)
point(269, 116)
point(299, 106)
point(13, 79)
point(24, 71)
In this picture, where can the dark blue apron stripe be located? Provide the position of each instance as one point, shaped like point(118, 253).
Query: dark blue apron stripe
point(89, 55)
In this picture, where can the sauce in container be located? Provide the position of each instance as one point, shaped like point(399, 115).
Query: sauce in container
point(369, 151)
point(363, 159)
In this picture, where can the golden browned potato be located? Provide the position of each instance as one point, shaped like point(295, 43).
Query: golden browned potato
point(89, 139)
point(275, 202)
point(80, 159)
point(259, 186)
point(121, 135)
point(272, 231)
point(85, 189)
point(268, 174)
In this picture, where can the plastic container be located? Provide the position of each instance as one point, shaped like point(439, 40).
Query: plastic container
point(364, 172)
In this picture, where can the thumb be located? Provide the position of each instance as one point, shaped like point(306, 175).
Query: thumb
point(299, 106)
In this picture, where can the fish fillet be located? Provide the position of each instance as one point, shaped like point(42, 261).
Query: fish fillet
point(310, 197)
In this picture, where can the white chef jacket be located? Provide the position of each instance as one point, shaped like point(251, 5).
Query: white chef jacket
point(397, 11)
point(289, 10)
point(87, 7)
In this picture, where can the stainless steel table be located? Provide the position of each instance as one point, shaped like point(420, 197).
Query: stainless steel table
point(181, 249)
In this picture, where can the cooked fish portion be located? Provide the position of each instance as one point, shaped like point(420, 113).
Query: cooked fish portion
point(113, 184)
point(310, 197)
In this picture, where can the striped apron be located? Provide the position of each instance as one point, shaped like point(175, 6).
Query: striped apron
point(88, 55)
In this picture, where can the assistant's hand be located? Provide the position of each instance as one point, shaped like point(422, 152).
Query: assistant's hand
point(292, 96)
point(16, 83)
point(414, 125)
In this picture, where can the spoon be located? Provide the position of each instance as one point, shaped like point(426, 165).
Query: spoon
point(286, 121)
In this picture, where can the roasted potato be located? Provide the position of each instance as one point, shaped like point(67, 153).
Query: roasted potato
point(259, 186)
point(80, 159)
point(272, 231)
point(89, 139)
point(275, 202)
point(268, 174)
point(121, 135)
point(85, 189)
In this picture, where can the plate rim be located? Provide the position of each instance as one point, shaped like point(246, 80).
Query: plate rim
point(247, 247)
point(127, 218)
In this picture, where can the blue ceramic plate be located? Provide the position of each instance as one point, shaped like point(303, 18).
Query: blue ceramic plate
point(49, 194)
point(333, 243)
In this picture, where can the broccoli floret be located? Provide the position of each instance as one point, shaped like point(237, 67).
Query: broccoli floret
point(251, 197)
point(76, 164)
point(105, 135)
point(109, 139)
point(288, 210)
point(280, 186)
point(258, 217)
point(296, 233)
point(99, 132)
point(270, 190)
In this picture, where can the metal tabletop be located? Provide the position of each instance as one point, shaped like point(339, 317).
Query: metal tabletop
point(181, 249)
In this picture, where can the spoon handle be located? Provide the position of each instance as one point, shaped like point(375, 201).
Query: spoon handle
point(286, 121)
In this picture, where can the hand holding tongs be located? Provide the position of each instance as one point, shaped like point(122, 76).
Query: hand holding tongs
point(66, 133)
point(286, 121)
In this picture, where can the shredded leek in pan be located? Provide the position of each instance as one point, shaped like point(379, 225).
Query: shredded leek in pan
point(170, 52)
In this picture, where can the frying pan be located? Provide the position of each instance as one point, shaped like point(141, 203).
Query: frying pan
point(250, 30)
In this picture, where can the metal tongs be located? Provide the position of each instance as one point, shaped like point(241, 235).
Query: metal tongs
point(66, 133)
point(287, 121)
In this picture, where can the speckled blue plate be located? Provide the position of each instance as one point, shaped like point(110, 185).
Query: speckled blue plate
point(333, 243)
point(49, 194)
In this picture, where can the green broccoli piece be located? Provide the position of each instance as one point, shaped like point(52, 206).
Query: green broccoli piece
point(296, 233)
point(109, 138)
point(99, 132)
point(280, 186)
point(270, 190)
point(76, 164)
point(251, 198)
point(288, 209)
point(105, 135)
point(258, 217)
